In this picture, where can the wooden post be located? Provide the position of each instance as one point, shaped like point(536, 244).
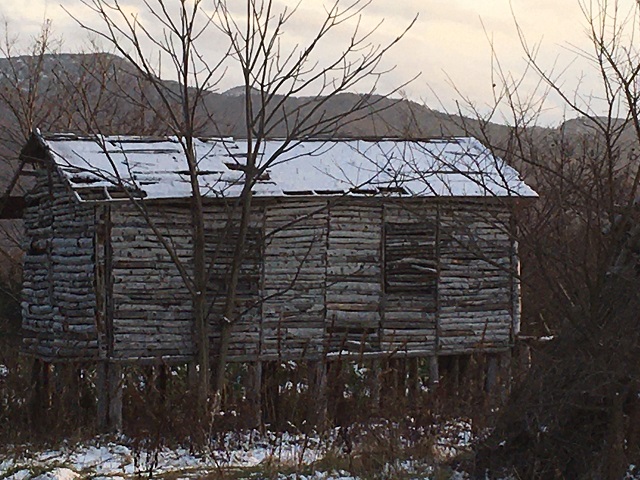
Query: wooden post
point(319, 384)
point(270, 393)
point(491, 377)
point(110, 397)
point(192, 375)
point(66, 391)
point(505, 374)
point(464, 377)
point(376, 373)
point(47, 384)
point(40, 395)
point(162, 383)
point(434, 371)
point(109, 375)
point(523, 356)
point(455, 375)
point(74, 388)
point(253, 386)
point(103, 396)
point(413, 389)
point(386, 383)
point(150, 384)
point(400, 376)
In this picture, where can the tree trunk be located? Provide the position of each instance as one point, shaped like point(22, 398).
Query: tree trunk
point(200, 283)
point(232, 291)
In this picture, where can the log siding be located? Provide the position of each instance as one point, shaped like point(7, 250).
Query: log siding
point(322, 276)
point(294, 282)
point(151, 304)
point(354, 269)
point(411, 281)
point(59, 313)
point(476, 273)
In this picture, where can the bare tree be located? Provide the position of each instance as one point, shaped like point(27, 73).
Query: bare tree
point(272, 74)
point(25, 101)
point(23, 88)
point(575, 414)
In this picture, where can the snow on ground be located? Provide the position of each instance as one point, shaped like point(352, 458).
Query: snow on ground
point(111, 460)
point(104, 459)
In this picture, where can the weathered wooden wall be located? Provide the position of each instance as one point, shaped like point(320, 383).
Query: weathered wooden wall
point(58, 296)
point(321, 276)
point(418, 277)
point(221, 233)
point(410, 277)
point(354, 268)
point(149, 304)
point(294, 279)
point(475, 287)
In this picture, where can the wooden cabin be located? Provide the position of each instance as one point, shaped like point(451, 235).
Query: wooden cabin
point(355, 248)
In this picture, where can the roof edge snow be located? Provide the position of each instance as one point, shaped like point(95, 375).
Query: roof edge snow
point(110, 168)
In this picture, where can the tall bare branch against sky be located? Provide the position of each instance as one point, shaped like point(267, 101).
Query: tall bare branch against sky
point(451, 41)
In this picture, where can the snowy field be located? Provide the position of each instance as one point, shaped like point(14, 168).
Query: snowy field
point(249, 456)
point(238, 456)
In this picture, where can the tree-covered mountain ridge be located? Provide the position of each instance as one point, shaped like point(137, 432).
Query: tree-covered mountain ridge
point(105, 93)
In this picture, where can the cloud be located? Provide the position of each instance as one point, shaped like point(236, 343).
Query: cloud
point(448, 43)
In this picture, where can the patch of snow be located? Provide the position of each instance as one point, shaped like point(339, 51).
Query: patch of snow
point(234, 450)
point(58, 474)
point(456, 167)
point(6, 465)
point(249, 450)
point(465, 476)
point(19, 475)
point(341, 475)
point(50, 455)
point(633, 473)
point(453, 438)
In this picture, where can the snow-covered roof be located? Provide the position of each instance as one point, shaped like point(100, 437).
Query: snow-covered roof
point(106, 168)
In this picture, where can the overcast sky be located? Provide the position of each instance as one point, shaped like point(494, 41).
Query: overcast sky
point(448, 44)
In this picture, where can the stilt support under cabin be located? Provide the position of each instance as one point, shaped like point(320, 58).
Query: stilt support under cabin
point(270, 393)
point(41, 390)
point(491, 376)
point(253, 387)
point(110, 397)
point(522, 353)
point(376, 374)
point(505, 373)
point(413, 378)
point(163, 377)
point(192, 375)
point(454, 372)
point(434, 371)
point(498, 373)
point(66, 391)
point(318, 371)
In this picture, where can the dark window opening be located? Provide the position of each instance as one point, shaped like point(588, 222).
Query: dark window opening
point(410, 260)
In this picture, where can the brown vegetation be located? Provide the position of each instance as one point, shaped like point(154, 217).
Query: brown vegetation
point(576, 412)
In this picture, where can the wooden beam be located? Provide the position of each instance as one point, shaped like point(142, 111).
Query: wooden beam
point(110, 383)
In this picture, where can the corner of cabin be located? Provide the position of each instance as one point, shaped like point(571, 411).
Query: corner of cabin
point(59, 318)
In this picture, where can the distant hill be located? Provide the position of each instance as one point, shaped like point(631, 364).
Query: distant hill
point(109, 75)
point(104, 93)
